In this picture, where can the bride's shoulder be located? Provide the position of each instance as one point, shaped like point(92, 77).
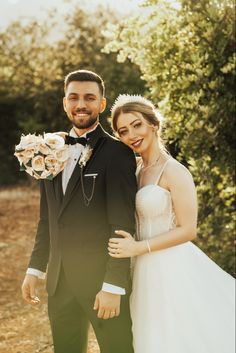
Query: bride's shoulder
point(174, 169)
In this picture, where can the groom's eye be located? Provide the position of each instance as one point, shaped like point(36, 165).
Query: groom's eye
point(72, 98)
point(91, 98)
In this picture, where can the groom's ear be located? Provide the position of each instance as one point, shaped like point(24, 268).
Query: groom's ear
point(64, 104)
point(103, 104)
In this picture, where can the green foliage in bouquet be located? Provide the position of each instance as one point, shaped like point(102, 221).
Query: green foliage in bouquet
point(186, 53)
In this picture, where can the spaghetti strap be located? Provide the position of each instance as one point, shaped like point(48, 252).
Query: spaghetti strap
point(161, 172)
point(139, 165)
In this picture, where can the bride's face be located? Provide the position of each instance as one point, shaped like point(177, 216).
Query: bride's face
point(135, 131)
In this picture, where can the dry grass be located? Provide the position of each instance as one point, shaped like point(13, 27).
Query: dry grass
point(23, 329)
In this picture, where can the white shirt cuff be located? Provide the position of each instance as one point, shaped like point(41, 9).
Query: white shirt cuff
point(110, 288)
point(37, 273)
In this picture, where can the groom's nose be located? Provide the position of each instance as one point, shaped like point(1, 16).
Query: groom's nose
point(80, 104)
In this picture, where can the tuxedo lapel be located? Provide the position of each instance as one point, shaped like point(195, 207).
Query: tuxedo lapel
point(57, 183)
point(95, 142)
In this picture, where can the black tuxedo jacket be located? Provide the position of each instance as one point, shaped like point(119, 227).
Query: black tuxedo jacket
point(75, 235)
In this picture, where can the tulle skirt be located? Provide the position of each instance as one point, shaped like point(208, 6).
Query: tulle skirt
point(182, 302)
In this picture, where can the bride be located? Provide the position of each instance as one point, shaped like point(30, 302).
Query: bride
point(181, 301)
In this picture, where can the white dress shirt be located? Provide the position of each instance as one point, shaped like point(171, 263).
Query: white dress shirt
point(75, 152)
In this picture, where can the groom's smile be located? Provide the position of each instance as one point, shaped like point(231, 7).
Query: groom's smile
point(81, 114)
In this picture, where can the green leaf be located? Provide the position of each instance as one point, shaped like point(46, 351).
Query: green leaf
point(22, 167)
point(50, 177)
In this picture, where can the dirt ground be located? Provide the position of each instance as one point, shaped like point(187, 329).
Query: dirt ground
point(23, 329)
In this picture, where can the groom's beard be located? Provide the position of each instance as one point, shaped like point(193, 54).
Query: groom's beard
point(84, 123)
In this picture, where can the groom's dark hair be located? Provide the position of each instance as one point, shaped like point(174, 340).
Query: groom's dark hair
point(85, 75)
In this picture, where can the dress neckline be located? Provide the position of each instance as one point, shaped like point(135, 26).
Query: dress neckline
point(156, 185)
point(158, 177)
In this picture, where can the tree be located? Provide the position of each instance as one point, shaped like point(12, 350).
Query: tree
point(81, 47)
point(186, 54)
point(32, 71)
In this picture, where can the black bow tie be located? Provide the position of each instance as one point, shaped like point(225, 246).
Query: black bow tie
point(70, 140)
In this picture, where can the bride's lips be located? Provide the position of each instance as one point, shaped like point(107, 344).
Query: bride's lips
point(137, 143)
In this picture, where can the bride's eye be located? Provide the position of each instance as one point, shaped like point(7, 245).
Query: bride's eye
point(122, 133)
point(137, 125)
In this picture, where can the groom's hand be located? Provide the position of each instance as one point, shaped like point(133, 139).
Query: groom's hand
point(29, 289)
point(107, 304)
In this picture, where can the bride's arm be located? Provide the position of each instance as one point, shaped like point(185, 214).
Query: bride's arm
point(179, 182)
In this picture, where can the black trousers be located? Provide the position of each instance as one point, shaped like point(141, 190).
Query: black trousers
point(70, 316)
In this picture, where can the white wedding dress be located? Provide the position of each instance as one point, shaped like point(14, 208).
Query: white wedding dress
point(182, 302)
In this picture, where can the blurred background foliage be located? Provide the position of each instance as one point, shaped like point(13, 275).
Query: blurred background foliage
point(32, 71)
point(181, 55)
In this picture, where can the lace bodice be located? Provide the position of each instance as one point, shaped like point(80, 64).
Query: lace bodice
point(154, 211)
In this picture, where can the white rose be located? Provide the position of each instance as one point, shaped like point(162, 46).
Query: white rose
point(38, 163)
point(29, 141)
point(50, 161)
point(21, 157)
point(62, 155)
point(85, 155)
point(56, 168)
point(44, 149)
point(30, 152)
point(54, 141)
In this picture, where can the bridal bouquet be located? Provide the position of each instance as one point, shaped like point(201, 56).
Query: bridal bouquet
point(43, 157)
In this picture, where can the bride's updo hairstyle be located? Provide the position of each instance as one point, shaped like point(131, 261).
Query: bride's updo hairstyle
point(126, 103)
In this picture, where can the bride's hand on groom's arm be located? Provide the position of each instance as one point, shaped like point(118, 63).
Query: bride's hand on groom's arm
point(126, 246)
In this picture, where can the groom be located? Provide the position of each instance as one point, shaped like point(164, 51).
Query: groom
point(79, 211)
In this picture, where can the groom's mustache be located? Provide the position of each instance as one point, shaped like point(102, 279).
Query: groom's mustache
point(82, 111)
